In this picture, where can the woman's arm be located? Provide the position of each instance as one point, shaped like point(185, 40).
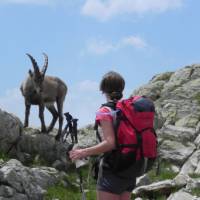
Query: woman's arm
point(106, 145)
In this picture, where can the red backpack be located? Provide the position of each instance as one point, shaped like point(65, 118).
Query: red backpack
point(136, 140)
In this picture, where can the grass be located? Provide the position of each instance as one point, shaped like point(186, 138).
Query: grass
point(72, 190)
point(62, 193)
point(165, 172)
point(195, 192)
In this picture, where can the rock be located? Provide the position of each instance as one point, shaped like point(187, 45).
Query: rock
point(168, 112)
point(42, 148)
point(87, 137)
point(176, 79)
point(154, 187)
point(192, 166)
point(162, 77)
point(175, 151)
point(181, 195)
point(193, 183)
point(181, 180)
point(151, 90)
point(138, 198)
point(24, 182)
point(197, 141)
point(188, 121)
point(143, 180)
point(181, 134)
point(10, 131)
point(7, 191)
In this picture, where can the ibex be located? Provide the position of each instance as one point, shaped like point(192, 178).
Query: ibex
point(44, 91)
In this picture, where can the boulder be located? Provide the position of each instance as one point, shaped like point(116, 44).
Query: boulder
point(181, 195)
point(192, 165)
point(10, 131)
point(18, 181)
point(176, 152)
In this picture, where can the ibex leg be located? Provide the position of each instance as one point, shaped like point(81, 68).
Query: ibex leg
point(41, 116)
point(54, 113)
point(27, 113)
point(60, 116)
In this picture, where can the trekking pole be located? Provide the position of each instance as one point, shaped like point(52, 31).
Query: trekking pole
point(81, 183)
point(80, 163)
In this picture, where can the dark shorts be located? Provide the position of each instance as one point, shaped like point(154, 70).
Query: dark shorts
point(112, 183)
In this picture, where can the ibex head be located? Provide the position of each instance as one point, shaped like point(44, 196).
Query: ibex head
point(38, 76)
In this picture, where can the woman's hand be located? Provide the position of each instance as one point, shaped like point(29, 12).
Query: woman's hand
point(106, 145)
point(77, 154)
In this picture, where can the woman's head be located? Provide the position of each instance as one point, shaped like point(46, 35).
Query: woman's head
point(113, 85)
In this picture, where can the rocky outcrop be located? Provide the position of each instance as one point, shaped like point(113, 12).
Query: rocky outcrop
point(177, 99)
point(10, 131)
point(18, 182)
point(29, 145)
point(35, 146)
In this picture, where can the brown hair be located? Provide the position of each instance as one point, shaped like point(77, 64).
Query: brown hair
point(112, 84)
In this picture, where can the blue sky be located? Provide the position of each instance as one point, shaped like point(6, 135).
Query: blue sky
point(86, 38)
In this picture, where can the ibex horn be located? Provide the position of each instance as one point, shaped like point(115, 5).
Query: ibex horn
point(34, 63)
point(43, 71)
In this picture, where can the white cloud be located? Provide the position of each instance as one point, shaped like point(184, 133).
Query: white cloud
point(69, 3)
point(100, 47)
point(134, 41)
point(36, 2)
point(106, 9)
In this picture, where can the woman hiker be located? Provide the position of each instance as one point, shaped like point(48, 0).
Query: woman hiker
point(109, 185)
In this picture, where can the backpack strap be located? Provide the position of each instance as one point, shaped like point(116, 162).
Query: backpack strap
point(97, 131)
point(112, 106)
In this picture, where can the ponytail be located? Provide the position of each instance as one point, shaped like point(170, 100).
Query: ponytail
point(115, 96)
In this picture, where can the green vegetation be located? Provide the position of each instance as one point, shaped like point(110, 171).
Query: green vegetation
point(163, 77)
point(164, 172)
point(38, 161)
point(69, 189)
point(72, 190)
point(61, 193)
point(194, 175)
point(197, 97)
point(4, 156)
point(196, 192)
